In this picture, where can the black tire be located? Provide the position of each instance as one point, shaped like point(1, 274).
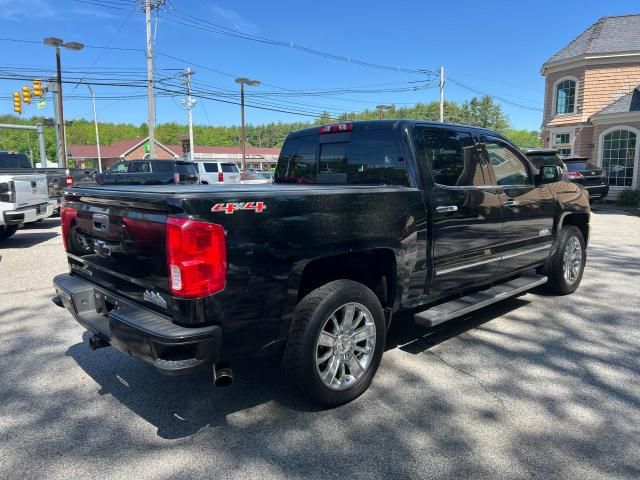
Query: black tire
point(554, 269)
point(311, 313)
point(7, 231)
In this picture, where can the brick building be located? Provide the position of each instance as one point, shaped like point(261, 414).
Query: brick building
point(261, 158)
point(123, 150)
point(592, 98)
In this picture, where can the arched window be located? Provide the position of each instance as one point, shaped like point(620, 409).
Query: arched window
point(566, 97)
point(618, 157)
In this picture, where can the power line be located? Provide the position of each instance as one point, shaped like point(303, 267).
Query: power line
point(500, 99)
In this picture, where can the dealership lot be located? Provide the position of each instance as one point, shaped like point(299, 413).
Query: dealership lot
point(541, 386)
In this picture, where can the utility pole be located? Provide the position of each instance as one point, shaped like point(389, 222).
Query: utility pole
point(95, 121)
point(254, 83)
point(150, 94)
point(442, 94)
point(190, 103)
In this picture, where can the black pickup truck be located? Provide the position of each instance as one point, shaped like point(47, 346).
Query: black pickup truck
point(363, 220)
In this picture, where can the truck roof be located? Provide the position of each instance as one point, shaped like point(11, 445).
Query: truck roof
point(388, 124)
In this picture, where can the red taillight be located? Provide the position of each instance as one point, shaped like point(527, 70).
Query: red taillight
point(336, 128)
point(220, 177)
point(69, 178)
point(575, 175)
point(176, 178)
point(196, 257)
point(67, 215)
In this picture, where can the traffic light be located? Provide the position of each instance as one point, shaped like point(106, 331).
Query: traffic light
point(37, 88)
point(17, 102)
point(26, 94)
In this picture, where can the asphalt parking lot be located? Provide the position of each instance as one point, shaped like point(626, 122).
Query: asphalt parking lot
point(539, 387)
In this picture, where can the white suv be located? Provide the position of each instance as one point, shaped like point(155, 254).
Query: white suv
point(218, 172)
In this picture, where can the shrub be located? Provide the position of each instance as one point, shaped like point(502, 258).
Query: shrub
point(630, 197)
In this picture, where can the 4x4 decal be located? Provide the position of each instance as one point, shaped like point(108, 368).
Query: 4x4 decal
point(229, 208)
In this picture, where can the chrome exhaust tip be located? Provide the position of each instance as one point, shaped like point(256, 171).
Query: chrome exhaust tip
point(222, 375)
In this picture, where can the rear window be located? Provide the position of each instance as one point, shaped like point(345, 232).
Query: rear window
point(230, 168)
point(184, 168)
point(14, 160)
point(210, 167)
point(579, 166)
point(540, 160)
point(365, 157)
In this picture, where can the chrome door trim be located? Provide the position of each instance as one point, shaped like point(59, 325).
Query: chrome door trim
point(547, 245)
point(443, 271)
point(467, 265)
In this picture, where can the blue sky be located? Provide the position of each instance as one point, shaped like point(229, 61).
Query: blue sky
point(495, 47)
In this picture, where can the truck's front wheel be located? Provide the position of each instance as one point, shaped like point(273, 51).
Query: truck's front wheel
point(336, 342)
point(566, 267)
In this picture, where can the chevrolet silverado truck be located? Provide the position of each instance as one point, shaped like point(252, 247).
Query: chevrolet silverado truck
point(23, 199)
point(363, 220)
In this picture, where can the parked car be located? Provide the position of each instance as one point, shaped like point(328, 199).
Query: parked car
point(364, 220)
point(149, 172)
point(257, 176)
point(57, 178)
point(23, 199)
point(546, 156)
point(218, 172)
point(590, 176)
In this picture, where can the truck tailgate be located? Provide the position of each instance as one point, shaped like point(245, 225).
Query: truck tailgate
point(119, 244)
point(30, 190)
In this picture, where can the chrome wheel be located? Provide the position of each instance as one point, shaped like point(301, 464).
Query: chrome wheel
point(345, 346)
point(572, 260)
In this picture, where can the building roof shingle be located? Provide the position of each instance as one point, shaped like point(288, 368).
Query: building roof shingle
point(607, 35)
point(228, 150)
point(114, 150)
point(627, 103)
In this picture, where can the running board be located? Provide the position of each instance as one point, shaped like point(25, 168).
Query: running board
point(464, 305)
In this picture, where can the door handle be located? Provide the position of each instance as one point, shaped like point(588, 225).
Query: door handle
point(446, 208)
point(511, 203)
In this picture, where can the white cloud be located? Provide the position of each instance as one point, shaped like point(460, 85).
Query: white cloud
point(17, 10)
point(235, 20)
point(93, 13)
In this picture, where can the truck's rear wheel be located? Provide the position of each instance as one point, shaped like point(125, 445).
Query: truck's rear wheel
point(336, 342)
point(7, 230)
point(566, 267)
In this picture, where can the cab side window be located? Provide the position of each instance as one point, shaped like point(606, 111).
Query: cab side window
point(451, 155)
point(139, 167)
point(508, 167)
point(118, 168)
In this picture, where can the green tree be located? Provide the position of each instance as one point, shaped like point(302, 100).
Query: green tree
point(524, 138)
point(484, 112)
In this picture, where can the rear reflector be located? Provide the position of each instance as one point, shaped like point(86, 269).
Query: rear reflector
point(336, 128)
point(196, 257)
point(67, 216)
point(220, 177)
point(575, 175)
point(69, 178)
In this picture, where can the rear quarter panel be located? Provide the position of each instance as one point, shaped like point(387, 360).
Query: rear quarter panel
point(267, 252)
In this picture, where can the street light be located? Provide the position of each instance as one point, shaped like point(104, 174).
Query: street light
point(252, 83)
point(382, 108)
point(57, 43)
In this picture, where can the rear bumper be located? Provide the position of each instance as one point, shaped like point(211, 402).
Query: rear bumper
point(598, 191)
point(136, 331)
point(29, 214)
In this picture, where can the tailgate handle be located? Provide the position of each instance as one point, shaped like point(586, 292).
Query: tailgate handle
point(100, 222)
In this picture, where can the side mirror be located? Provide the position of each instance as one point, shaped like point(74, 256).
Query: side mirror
point(549, 174)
